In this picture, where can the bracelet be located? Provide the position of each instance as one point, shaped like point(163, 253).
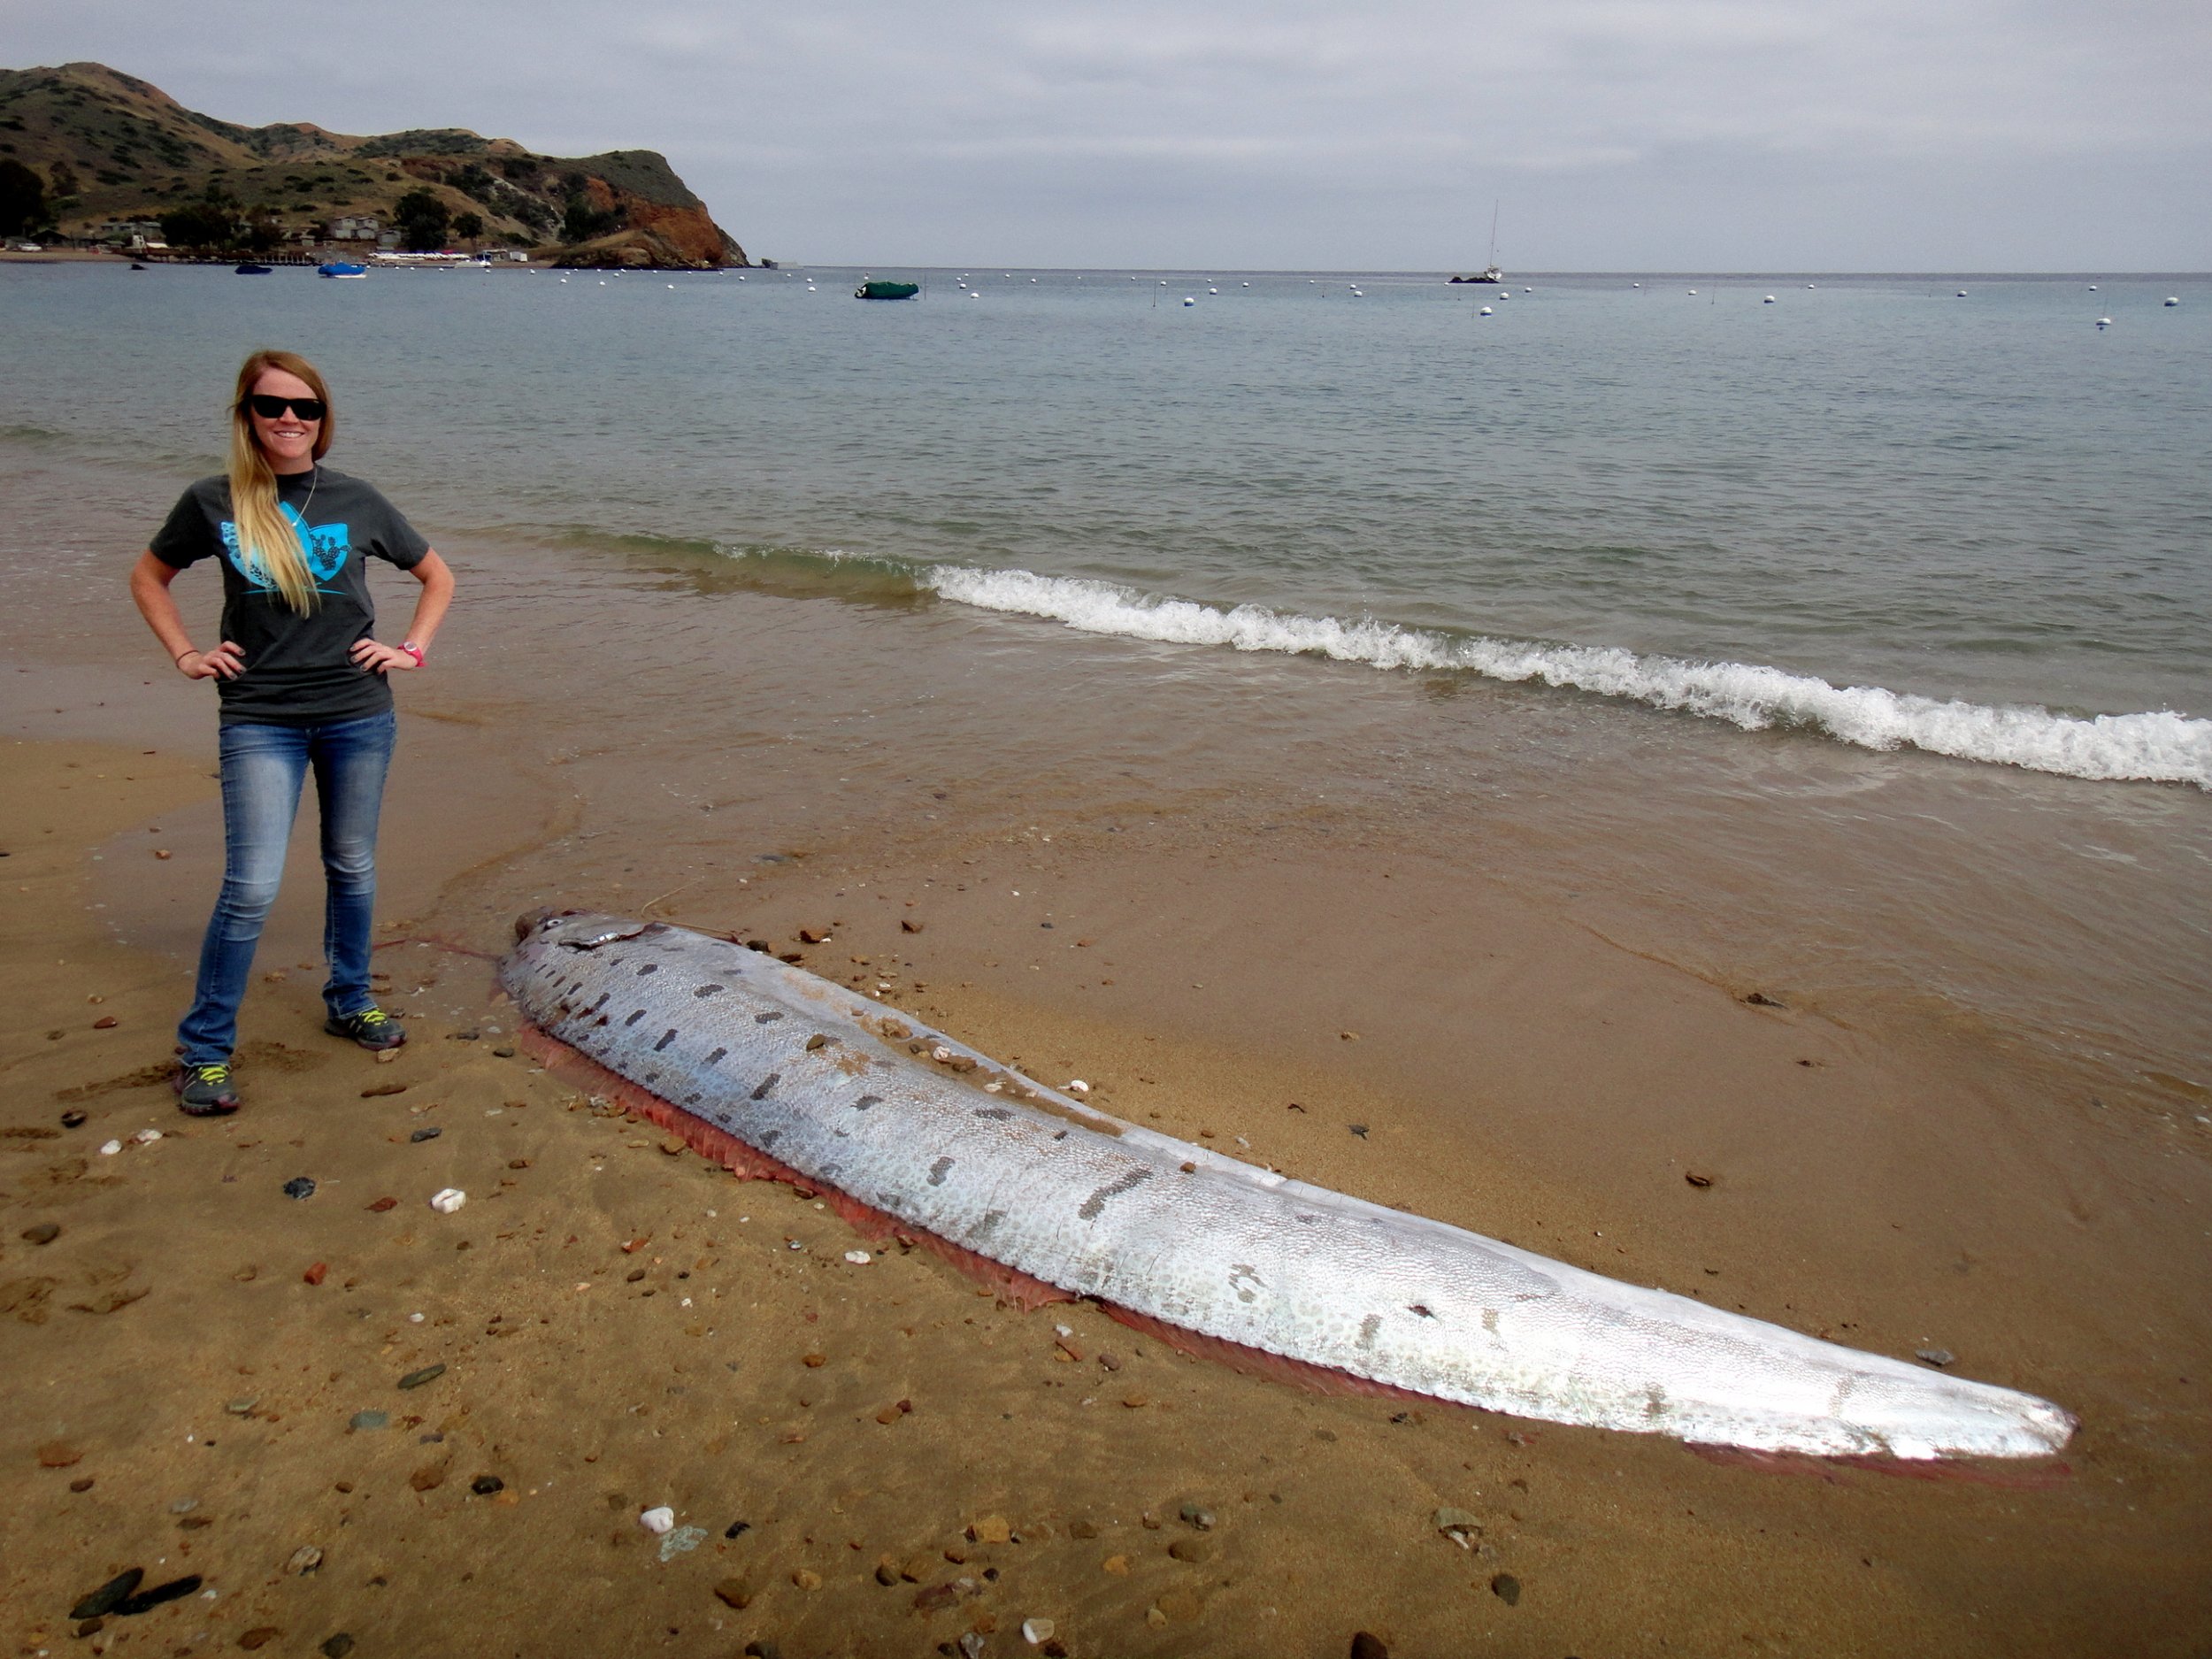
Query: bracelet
point(413, 651)
point(189, 650)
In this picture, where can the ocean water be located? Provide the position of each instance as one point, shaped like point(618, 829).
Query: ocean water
point(1879, 604)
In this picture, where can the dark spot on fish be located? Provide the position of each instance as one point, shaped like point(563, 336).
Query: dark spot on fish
point(991, 1218)
point(1367, 1327)
point(866, 1100)
point(691, 1100)
point(1421, 1308)
point(937, 1172)
point(767, 1083)
point(769, 1138)
point(997, 1113)
point(1129, 1180)
point(766, 1019)
point(1060, 1134)
point(716, 1057)
point(634, 1017)
point(651, 967)
point(709, 990)
point(601, 1003)
point(668, 1037)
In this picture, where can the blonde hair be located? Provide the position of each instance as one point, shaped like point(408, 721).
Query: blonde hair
point(265, 536)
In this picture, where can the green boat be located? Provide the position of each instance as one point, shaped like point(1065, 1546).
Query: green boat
point(874, 291)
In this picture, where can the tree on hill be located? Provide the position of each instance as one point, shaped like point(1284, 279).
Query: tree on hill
point(22, 198)
point(468, 227)
point(210, 222)
point(423, 221)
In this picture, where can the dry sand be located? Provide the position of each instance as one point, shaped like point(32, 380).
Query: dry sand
point(883, 1458)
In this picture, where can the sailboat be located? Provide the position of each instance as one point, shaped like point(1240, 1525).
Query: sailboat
point(1490, 272)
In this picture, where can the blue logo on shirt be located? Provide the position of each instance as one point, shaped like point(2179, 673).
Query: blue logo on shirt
point(326, 545)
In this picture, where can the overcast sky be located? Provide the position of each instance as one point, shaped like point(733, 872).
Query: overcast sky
point(1618, 135)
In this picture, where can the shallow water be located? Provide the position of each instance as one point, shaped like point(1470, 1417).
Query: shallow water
point(1302, 562)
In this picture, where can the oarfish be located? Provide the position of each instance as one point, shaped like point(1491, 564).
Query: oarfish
point(868, 1100)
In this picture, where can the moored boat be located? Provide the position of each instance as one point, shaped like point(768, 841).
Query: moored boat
point(340, 268)
point(250, 269)
point(871, 289)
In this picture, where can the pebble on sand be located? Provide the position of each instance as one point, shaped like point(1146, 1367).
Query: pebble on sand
point(1037, 1632)
point(42, 1233)
point(300, 1186)
point(446, 1200)
point(1506, 1588)
point(428, 1374)
point(657, 1520)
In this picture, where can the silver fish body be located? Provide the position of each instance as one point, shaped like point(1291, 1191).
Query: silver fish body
point(863, 1099)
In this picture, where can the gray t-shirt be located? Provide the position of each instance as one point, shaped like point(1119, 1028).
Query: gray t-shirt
point(299, 671)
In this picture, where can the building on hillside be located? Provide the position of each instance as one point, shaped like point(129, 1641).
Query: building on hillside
point(355, 227)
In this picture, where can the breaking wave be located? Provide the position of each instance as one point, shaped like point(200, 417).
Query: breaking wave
point(2158, 746)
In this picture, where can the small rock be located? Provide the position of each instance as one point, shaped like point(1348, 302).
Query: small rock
point(42, 1233)
point(429, 1477)
point(382, 1205)
point(303, 1561)
point(659, 1520)
point(446, 1200)
point(390, 1057)
point(817, 1043)
point(1082, 1529)
point(991, 1529)
point(362, 1422)
point(1367, 1647)
point(428, 1132)
point(300, 1186)
point(163, 852)
point(1077, 1086)
point(503, 1053)
point(908, 925)
point(734, 1593)
point(108, 1596)
point(935, 1599)
point(1695, 1179)
point(484, 1486)
point(858, 1258)
point(83, 1483)
point(1506, 1588)
point(259, 1636)
point(806, 1578)
point(428, 1374)
point(1938, 1357)
point(1194, 1550)
point(375, 1089)
point(73, 1119)
point(971, 1645)
point(336, 1647)
point(813, 936)
point(106, 1022)
point(1760, 999)
point(814, 1362)
point(1119, 1565)
point(314, 1274)
point(1202, 1519)
point(1358, 1129)
point(59, 1455)
point(242, 1407)
point(737, 1527)
point(146, 1600)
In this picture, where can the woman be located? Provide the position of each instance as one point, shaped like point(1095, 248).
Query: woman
point(301, 682)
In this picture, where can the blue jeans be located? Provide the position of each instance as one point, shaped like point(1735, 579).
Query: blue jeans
point(263, 768)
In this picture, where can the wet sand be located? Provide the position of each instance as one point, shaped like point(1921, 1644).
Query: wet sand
point(1280, 979)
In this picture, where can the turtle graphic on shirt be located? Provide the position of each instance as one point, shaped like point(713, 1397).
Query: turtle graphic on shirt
point(326, 546)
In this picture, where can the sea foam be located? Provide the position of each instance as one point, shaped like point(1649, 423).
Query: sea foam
point(2157, 746)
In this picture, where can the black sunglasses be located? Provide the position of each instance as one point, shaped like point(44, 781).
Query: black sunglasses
point(269, 408)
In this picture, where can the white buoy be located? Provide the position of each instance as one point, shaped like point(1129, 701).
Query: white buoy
point(1034, 278)
point(1692, 290)
point(1810, 285)
point(1635, 285)
point(741, 276)
point(973, 294)
point(2103, 323)
point(2092, 288)
point(1248, 285)
point(1213, 290)
point(1487, 312)
point(2173, 299)
point(1768, 300)
point(1961, 293)
point(1189, 299)
point(671, 285)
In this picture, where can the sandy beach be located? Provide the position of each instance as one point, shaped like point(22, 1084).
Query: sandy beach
point(211, 1378)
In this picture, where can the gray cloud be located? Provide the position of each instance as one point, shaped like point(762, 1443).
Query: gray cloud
point(1619, 134)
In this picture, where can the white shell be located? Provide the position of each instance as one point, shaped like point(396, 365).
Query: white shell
point(446, 1200)
point(657, 1520)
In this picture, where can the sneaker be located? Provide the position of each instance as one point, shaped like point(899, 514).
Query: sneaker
point(205, 1091)
point(372, 1028)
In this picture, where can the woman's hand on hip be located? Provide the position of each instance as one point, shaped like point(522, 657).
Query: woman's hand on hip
point(225, 661)
point(372, 658)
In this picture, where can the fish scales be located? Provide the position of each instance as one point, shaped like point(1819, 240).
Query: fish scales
point(831, 1085)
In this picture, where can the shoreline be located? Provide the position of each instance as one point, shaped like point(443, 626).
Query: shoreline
point(1890, 1186)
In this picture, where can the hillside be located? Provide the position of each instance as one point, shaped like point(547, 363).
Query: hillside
point(107, 150)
